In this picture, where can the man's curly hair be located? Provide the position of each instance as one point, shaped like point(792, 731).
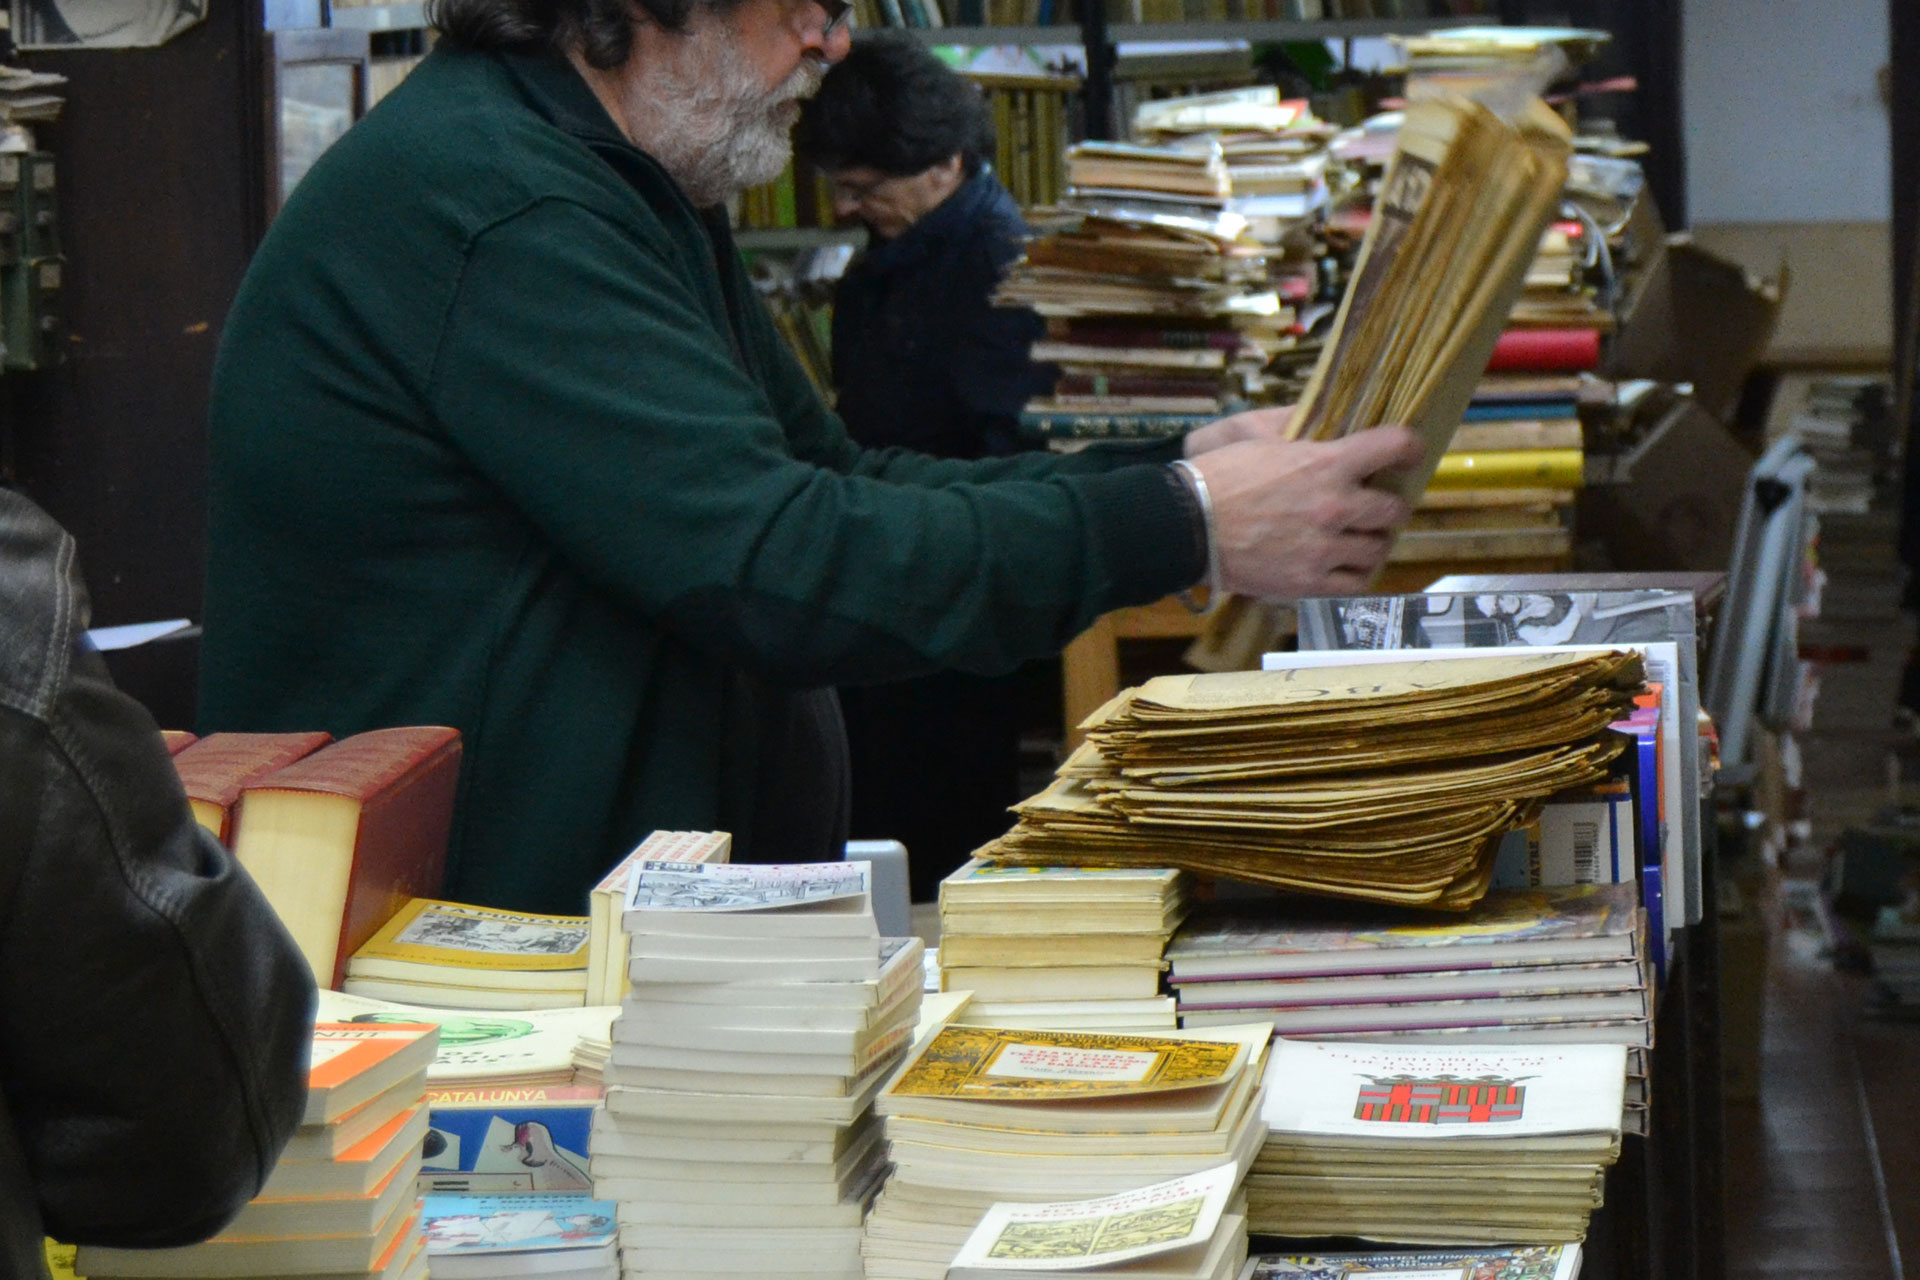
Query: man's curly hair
point(601, 29)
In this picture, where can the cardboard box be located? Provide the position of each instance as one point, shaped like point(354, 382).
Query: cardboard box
point(1680, 502)
point(1698, 318)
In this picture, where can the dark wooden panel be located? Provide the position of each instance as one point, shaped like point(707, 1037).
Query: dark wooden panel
point(159, 159)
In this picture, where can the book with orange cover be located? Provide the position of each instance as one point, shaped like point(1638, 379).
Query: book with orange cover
point(355, 1062)
point(341, 840)
point(215, 769)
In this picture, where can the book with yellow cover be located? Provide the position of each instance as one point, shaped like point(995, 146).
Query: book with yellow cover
point(455, 943)
point(1511, 468)
point(998, 1064)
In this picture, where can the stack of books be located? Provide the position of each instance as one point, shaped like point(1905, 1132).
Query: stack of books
point(607, 953)
point(1190, 169)
point(461, 956)
point(1511, 1262)
point(1191, 1228)
point(335, 833)
point(1467, 1146)
point(1065, 948)
point(341, 1201)
point(1525, 966)
point(765, 1013)
point(564, 1236)
point(983, 1115)
point(1158, 318)
point(1275, 151)
point(1393, 783)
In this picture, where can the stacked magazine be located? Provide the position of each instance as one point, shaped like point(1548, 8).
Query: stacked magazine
point(1064, 948)
point(458, 956)
point(980, 1116)
point(765, 1012)
point(1475, 1145)
point(1523, 966)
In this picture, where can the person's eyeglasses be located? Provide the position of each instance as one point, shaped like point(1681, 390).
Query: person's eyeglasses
point(839, 14)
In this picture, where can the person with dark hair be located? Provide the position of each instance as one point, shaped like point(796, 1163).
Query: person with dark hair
point(503, 438)
point(157, 1016)
point(922, 359)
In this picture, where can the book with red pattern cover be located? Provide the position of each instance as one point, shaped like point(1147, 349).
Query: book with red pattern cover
point(217, 768)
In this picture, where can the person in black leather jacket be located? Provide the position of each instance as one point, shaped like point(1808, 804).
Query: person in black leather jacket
point(923, 360)
point(155, 1017)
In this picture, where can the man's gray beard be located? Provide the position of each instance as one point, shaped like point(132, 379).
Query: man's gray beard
point(725, 135)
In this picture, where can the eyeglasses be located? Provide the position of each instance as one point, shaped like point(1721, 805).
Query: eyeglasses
point(839, 14)
point(855, 192)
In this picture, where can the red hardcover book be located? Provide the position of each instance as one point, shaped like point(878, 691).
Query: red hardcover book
point(1546, 351)
point(177, 740)
point(341, 840)
point(215, 769)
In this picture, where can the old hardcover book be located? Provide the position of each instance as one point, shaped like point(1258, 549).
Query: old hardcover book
point(457, 944)
point(215, 769)
point(340, 840)
point(177, 740)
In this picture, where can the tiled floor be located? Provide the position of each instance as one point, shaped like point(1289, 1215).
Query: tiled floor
point(1823, 1174)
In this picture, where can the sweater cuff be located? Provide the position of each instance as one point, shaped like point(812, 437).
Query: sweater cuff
point(1151, 531)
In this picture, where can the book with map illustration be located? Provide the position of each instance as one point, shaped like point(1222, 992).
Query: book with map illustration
point(1514, 1262)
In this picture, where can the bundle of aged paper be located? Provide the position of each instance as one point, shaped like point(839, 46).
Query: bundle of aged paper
point(1458, 222)
point(1392, 782)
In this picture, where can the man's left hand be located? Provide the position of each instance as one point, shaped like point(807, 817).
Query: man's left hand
point(1254, 424)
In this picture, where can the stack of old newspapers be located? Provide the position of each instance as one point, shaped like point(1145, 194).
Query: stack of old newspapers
point(1392, 782)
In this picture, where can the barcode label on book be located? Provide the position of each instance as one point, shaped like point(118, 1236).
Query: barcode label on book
point(1586, 852)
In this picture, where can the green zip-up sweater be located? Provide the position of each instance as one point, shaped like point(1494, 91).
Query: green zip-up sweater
point(503, 439)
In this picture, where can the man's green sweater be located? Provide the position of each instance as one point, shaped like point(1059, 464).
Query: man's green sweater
point(503, 439)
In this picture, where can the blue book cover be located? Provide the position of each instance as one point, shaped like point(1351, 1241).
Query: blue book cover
point(1653, 897)
point(478, 1226)
point(1520, 410)
point(507, 1139)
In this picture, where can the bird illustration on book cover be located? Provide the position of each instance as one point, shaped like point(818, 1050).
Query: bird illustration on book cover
point(1442, 1099)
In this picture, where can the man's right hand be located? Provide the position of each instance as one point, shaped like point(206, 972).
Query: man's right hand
point(1298, 518)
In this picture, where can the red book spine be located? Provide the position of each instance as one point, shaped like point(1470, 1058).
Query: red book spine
point(1546, 351)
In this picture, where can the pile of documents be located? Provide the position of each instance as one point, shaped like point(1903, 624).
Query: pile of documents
point(1456, 225)
point(765, 1013)
point(1436, 1146)
point(1064, 948)
point(1522, 966)
point(1393, 783)
point(29, 97)
point(981, 1116)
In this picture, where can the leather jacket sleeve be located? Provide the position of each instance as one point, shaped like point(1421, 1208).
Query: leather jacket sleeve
point(155, 1017)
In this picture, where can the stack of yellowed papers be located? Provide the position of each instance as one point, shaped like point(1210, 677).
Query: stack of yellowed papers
point(1391, 782)
point(1457, 224)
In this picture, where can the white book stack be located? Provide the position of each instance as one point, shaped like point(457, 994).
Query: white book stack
point(985, 1116)
point(764, 1014)
point(1060, 948)
point(1410, 1145)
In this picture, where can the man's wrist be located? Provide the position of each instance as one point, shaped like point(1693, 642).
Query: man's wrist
point(1194, 485)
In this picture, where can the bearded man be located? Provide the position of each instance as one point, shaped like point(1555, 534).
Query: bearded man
point(502, 438)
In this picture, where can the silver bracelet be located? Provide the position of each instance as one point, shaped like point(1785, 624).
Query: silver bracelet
point(1201, 495)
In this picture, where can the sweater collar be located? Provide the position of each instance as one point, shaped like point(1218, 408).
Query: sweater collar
point(555, 88)
point(954, 216)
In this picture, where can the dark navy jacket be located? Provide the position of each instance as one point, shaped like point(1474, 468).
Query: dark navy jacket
point(921, 360)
